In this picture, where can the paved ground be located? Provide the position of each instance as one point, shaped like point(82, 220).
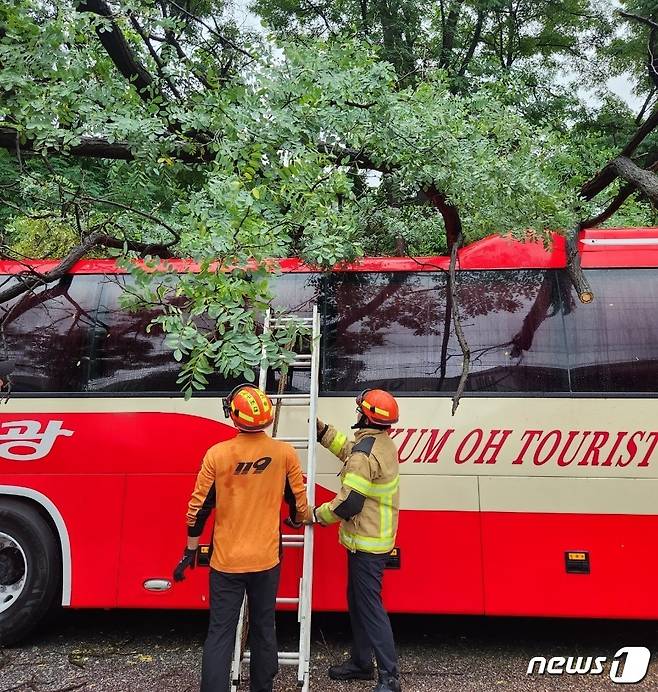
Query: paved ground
point(160, 652)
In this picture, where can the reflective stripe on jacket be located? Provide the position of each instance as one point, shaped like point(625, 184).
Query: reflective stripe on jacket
point(369, 499)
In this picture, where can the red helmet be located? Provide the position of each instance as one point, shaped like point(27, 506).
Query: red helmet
point(249, 408)
point(378, 406)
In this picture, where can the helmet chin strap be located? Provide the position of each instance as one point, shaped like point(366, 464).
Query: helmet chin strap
point(363, 422)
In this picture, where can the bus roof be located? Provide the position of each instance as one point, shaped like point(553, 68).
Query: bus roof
point(598, 248)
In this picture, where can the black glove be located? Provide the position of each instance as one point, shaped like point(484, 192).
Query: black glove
point(292, 523)
point(188, 560)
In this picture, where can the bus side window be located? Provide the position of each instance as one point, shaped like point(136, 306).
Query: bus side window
point(512, 321)
point(48, 331)
point(385, 330)
point(127, 358)
point(124, 357)
point(613, 341)
point(295, 293)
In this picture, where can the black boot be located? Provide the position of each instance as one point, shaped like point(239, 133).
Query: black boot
point(388, 683)
point(350, 671)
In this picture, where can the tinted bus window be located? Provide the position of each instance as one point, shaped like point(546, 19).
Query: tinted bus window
point(512, 321)
point(125, 358)
point(382, 330)
point(613, 341)
point(48, 332)
point(396, 331)
point(296, 293)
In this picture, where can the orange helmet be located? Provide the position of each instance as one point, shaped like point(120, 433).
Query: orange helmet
point(378, 406)
point(249, 408)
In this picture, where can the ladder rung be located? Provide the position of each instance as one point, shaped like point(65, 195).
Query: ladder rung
point(294, 403)
point(288, 601)
point(295, 397)
point(297, 537)
point(285, 657)
point(290, 319)
point(296, 442)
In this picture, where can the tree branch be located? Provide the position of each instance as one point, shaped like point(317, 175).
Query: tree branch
point(119, 51)
point(97, 147)
point(574, 270)
point(613, 207)
point(34, 278)
point(154, 54)
point(608, 174)
point(31, 278)
point(645, 105)
point(461, 337)
point(450, 214)
point(222, 39)
point(639, 18)
point(475, 39)
point(643, 180)
point(139, 212)
point(170, 39)
point(652, 46)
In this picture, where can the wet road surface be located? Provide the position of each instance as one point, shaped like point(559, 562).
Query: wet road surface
point(160, 651)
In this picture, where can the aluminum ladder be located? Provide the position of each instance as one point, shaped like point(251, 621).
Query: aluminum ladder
point(308, 361)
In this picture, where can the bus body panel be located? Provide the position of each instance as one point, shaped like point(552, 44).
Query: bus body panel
point(524, 565)
point(91, 507)
point(554, 451)
point(465, 539)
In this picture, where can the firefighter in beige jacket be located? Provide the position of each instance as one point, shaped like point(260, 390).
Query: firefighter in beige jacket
point(367, 508)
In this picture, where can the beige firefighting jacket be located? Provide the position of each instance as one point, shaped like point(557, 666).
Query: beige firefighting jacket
point(368, 502)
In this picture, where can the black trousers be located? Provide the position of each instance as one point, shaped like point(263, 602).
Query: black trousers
point(226, 594)
point(371, 628)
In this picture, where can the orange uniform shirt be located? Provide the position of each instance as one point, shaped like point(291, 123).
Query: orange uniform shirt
point(244, 480)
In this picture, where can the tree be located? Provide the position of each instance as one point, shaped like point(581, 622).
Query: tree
point(467, 38)
point(637, 176)
point(157, 130)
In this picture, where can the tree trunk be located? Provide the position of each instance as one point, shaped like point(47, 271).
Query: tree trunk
point(97, 148)
point(643, 180)
point(608, 174)
point(119, 51)
point(450, 215)
point(574, 270)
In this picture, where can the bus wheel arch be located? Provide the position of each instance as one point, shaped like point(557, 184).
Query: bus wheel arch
point(35, 561)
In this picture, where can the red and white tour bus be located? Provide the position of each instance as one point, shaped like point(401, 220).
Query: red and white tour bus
point(539, 497)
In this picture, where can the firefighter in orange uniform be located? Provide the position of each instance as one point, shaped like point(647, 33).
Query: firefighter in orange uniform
point(367, 508)
point(244, 479)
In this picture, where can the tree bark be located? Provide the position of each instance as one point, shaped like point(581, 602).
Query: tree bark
point(461, 337)
point(574, 269)
point(450, 214)
point(643, 180)
point(97, 147)
point(608, 174)
point(119, 51)
point(449, 33)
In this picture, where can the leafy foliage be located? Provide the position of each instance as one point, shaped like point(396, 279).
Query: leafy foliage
point(164, 130)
